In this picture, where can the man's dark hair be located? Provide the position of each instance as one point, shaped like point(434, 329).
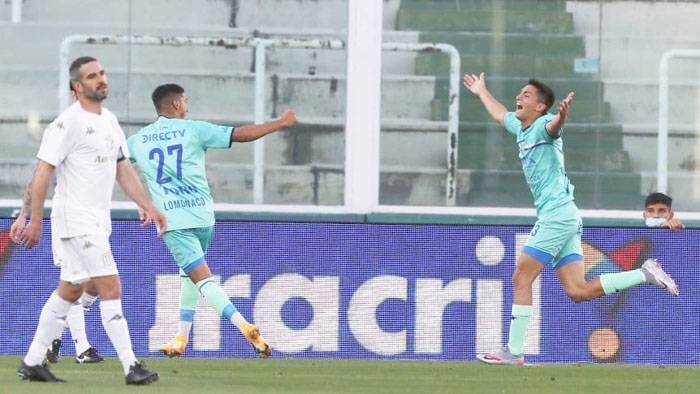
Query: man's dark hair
point(544, 92)
point(658, 198)
point(163, 93)
point(74, 70)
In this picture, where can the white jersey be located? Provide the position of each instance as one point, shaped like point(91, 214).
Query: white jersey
point(84, 148)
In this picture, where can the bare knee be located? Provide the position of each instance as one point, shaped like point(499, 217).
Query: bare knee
point(523, 280)
point(69, 291)
point(90, 288)
point(108, 287)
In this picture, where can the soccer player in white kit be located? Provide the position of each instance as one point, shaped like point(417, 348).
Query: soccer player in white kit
point(87, 148)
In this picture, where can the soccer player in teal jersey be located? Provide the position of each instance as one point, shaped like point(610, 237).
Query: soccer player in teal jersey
point(555, 240)
point(170, 153)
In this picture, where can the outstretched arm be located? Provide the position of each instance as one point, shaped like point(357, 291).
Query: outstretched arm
point(32, 204)
point(254, 131)
point(131, 184)
point(554, 126)
point(477, 85)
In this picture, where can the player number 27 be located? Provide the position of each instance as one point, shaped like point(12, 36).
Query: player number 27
point(158, 154)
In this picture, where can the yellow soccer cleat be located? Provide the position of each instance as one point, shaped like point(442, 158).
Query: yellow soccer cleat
point(252, 335)
point(175, 347)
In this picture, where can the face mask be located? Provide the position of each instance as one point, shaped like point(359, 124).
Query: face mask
point(654, 222)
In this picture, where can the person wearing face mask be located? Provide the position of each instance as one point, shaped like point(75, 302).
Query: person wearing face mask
point(658, 212)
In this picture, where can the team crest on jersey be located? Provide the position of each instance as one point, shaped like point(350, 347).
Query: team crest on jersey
point(109, 143)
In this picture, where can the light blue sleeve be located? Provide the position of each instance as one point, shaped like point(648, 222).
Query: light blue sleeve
point(540, 129)
point(511, 123)
point(132, 148)
point(211, 135)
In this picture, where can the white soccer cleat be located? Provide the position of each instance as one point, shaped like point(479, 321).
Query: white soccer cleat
point(655, 275)
point(252, 335)
point(501, 357)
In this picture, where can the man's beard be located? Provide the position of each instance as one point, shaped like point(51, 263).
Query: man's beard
point(95, 95)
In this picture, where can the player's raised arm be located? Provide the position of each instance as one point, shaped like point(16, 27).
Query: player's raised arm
point(131, 184)
point(554, 126)
point(254, 131)
point(477, 85)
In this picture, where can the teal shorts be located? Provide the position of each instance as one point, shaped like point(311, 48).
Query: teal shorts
point(188, 246)
point(556, 238)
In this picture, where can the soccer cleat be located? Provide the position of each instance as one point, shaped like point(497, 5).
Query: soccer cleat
point(37, 373)
point(175, 347)
point(252, 335)
point(501, 357)
point(656, 276)
point(140, 375)
point(53, 352)
point(89, 356)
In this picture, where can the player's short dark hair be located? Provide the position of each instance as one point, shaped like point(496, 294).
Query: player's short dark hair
point(165, 92)
point(74, 69)
point(545, 93)
point(658, 198)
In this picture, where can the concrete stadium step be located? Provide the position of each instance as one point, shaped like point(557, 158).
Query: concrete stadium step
point(480, 43)
point(225, 93)
point(583, 135)
point(637, 101)
point(505, 65)
point(309, 184)
point(314, 141)
point(610, 190)
point(45, 39)
point(577, 159)
point(506, 88)
point(251, 13)
point(683, 186)
point(588, 147)
point(647, 51)
point(14, 176)
point(519, 20)
point(232, 183)
point(471, 109)
point(485, 5)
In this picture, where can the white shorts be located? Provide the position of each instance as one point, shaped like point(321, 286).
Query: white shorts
point(83, 257)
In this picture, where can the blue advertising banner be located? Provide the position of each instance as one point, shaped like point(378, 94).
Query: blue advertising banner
point(391, 291)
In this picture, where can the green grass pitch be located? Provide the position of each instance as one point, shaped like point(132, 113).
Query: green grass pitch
point(192, 376)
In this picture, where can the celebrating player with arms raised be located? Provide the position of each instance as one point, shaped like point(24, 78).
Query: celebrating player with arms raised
point(555, 239)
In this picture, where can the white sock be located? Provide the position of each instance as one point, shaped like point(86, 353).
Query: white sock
point(87, 300)
point(76, 324)
point(51, 324)
point(185, 328)
point(115, 325)
point(238, 320)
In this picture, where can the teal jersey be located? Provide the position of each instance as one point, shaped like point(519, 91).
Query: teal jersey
point(542, 158)
point(171, 155)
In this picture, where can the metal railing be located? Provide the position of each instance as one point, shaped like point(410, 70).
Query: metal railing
point(261, 45)
point(662, 144)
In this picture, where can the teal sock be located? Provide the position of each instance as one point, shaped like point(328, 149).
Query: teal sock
point(216, 297)
point(518, 328)
point(189, 294)
point(612, 283)
point(188, 303)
